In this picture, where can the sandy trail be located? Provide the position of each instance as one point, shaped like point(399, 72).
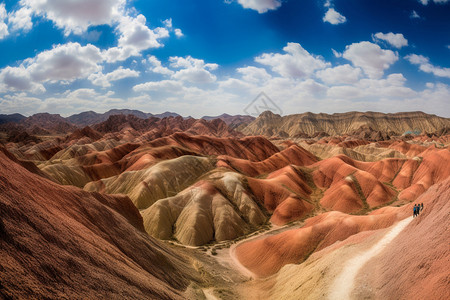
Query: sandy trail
point(343, 284)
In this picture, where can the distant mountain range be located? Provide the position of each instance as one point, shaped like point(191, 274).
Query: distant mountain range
point(268, 124)
point(91, 117)
point(234, 122)
point(45, 123)
point(15, 118)
point(309, 124)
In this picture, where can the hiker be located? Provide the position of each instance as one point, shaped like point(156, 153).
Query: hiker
point(418, 209)
point(415, 210)
point(421, 206)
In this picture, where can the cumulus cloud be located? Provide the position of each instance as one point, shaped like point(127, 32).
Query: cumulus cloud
point(392, 88)
point(156, 66)
point(425, 65)
point(296, 63)
point(18, 79)
point(170, 86)
point(104, 80)
point(193, 70)
point(73, 101)
point(3, 27)
point(19, 102)
point(135, 37)
point(178, 32)
point(65, 62)
point(370, 57)
point(20, 19)
point(261, 6)
point(76, 16)
point(254, 74)
point(62, 63)
point(168, 24)
point(395, 39)
point(333, 17)
point(344, 74)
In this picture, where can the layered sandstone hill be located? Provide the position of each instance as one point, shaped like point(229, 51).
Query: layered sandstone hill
point(209, 210)
point(412, 266)
point(419, 253)
point(416, 265)
point(270, 124)
point(62, 242)
point(152, 128)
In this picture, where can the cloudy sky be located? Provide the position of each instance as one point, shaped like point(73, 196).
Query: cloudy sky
point(207, 57)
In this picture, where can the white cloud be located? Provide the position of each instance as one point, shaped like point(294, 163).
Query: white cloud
point(254, 74)
point(370, 57)
point(65, 62)
point(344, 74)
point(195, 75)
point(79, 100)
point(296, 63)
point(395, 39)
point(178, 32)
point(425, 2)
point(333, 17)
point(18, 79)
point(169, 86)
point(390, 88)
point(236, 86)
point(135, 37)
point(20, 19)
point(336, 54)
point(414, 15)
point(425, 66)
point(261, 6)
point(168, 23)
point(76, 16)
point(19, 102)
point(3, 27)
point(156, 66)
point(193, 70)
point(104, 80)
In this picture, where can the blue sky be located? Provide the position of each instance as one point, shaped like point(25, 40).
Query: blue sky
point(214, 56)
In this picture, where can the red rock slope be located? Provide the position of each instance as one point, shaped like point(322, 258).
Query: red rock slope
point(62, 242)
point(416, 265)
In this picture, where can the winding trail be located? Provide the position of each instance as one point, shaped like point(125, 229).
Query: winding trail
point(343, 284)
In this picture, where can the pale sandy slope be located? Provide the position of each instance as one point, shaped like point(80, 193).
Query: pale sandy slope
point(344, 283)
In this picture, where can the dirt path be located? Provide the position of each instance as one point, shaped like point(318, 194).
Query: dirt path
point(343, 284)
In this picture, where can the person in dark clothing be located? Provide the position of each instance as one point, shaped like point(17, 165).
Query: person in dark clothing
point(415, 210)
point(421, 206)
